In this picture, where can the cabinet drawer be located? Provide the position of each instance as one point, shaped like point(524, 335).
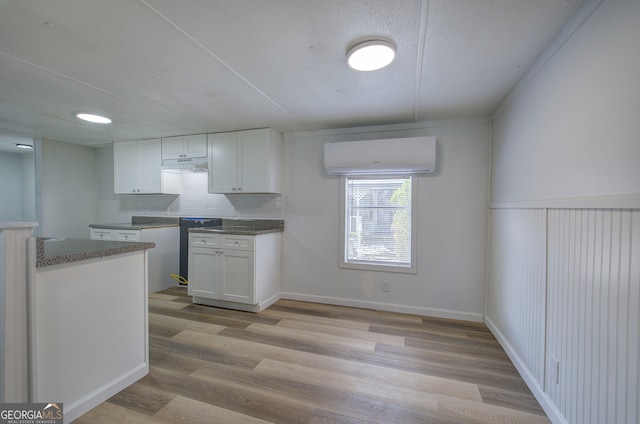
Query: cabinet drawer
point(133, 235)
point(238, 242)
point(99, 234)
point(204, 240)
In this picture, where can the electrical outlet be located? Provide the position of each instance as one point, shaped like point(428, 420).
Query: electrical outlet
point(554, 369)
point(385, 286)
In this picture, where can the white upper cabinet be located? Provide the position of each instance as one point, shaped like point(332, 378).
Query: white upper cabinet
point(137, 169)
point(245, 162)
point(184, 147)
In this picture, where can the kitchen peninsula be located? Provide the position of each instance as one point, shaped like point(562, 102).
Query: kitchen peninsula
point(88, 320)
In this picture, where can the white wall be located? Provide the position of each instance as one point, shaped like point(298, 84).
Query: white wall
point(28, 188)
point(574, 131)
point(564, 278)
point(452, 217)
point(17, 187)
point(67, 189)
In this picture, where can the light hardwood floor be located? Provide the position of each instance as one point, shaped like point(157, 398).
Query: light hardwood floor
point(301, 362)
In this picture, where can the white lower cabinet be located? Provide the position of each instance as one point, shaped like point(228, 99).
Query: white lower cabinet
point(164, 258)
point(240, 272)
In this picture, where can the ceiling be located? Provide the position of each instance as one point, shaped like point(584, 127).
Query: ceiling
point(166, 67)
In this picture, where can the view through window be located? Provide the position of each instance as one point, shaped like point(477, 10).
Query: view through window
point(378, 221)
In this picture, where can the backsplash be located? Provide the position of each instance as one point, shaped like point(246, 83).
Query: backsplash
point(194, 200)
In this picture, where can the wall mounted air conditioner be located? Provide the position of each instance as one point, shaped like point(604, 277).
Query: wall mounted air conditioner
point(389, 156)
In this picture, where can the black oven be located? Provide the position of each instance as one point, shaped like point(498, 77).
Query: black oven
point(185, 224)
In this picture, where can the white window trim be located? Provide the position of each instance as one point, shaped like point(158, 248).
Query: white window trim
point(413, 268)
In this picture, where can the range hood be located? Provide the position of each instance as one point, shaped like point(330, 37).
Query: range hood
point(195, 164)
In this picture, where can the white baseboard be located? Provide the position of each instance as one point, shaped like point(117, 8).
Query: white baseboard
point(95, 398)
point(547, 404)
point(270, 301)
point(415, 310)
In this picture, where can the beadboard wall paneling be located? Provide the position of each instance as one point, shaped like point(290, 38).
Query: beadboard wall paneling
point(593, 321)
point(517, 284)
point(586, 317)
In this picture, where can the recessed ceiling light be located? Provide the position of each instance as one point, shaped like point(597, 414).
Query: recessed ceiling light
point(371, 55)
point(24, 146)
point(96, 119)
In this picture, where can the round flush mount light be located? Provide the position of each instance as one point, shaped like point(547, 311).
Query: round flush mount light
point(96, 119)
point(24, 146)
point(371, 55)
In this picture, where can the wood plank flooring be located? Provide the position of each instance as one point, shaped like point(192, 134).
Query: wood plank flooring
point(301, 362)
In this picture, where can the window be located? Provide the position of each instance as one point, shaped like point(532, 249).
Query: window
point(378, 223)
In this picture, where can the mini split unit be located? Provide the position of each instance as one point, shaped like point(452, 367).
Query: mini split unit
point(413, 155)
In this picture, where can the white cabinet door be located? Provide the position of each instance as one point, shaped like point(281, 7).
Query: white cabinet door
point(253, 147)
point(204, 272)
point(150, 157)
point(186, 146)
point(238, 284)
point(245, 162)
point(126, 170)
point(136, 169)
point(223, 166)
point(195, 146)
point(172, 148)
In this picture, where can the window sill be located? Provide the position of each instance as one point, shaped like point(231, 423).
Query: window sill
point(378, 268)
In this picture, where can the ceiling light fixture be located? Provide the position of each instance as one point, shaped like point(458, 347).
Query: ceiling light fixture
point(24, 146)
point(96, 119)
point(371, 55)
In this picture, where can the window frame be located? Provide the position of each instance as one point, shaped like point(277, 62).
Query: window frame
point(369, 266)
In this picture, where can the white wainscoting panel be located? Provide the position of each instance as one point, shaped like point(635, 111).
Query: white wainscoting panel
point(517, 284)
point(592, 321)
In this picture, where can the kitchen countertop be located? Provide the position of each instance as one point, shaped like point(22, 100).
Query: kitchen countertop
point(249, 227)
point(55, 251)
point(141, 223)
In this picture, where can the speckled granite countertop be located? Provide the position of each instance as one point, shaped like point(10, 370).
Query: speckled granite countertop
point(141, 223)
point(249, 227)
point(55, 251)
